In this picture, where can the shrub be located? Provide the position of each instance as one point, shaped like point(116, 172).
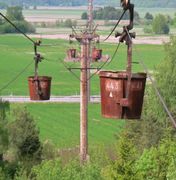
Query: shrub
point(160, 25)
point(148, 30)
point(24, 138)
point(16, 16)
point(67, 23)
point(148, 16)
point(84, 15)
point(109, 13)
point(24, 26)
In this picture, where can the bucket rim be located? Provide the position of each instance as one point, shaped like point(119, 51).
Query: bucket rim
point(43, 78)
point(121, 74)
point(72, 49)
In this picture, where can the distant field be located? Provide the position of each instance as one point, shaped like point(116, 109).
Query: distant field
point(51, 15)
point(75, 13)
point(154, 11)
point(16, 53)
point(60, 123)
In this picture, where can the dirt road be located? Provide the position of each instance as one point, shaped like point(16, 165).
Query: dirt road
point(53, 99)
point(158, 40)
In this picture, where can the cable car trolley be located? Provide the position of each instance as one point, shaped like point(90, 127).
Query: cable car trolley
point(122, 92)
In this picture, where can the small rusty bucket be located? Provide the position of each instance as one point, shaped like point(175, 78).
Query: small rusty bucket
point(71, 53)
point(113, 93)
point(96, 54)
point(39, 88)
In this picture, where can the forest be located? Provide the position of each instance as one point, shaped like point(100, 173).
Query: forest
point(139, 3)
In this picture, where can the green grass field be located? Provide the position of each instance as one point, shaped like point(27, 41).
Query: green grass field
point(16, 52)
point(60, 123)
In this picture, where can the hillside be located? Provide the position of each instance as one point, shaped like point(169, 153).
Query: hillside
point(138, 3)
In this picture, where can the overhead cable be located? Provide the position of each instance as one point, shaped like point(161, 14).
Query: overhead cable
point(9, 21)
point(115, 25)
point(16, 77)
point(154, 85)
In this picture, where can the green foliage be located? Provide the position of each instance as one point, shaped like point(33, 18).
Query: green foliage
point(138, 3)
point(49, 151)
point(4, 106)
point(166, 74)
point(155, 121)
point(148, 16)
point(24, 137)
point(67, 23)
point(53, 169)
point(16, 16)
point(84, 15)
point(49, 170)
point(109, 13)
point(2, 175)
point(171, 173)
point(174, 20)
point(157, 163)
point(148, 30)
point(160, 25)
point(24, 26)
point(15, 13)
point(123, 168)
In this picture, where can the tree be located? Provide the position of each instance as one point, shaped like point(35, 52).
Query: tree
point(16, 16)
point(148, 16)
point(158, 162)
point(84, 15)
point(4, 140)
point(124, 167)
point(4, 106)
point(160, 25)
point(174, 19)
point(24, 138)
point(15, 13)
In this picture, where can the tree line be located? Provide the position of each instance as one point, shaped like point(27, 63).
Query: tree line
point(109, 13)
point(138, 3)
point(15, 15)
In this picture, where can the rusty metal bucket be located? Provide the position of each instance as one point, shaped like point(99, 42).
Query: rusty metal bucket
point(71, 53)
point(113, 93)
point(96, 54)
point(39, 88)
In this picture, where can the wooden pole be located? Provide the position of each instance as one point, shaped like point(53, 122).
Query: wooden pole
point(90, 15)
point(90, 28)
point(84, 102)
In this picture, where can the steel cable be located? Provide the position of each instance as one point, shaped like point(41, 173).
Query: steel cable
point(16, 77)
point(115, 25)
point(154, 84)
point(100, 67)
point(10, 22)
point(65, 66)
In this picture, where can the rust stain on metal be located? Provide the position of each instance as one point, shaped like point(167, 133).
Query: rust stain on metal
point(39, 88)
point(113, 94)
point(71, 53)
point(96, 54)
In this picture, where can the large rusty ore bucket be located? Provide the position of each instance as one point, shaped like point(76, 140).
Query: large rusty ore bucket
point(39, 88)
point(71, 53)
point(113, 93)
point(96, 54)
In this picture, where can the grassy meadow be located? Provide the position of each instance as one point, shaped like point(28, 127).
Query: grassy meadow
point(16, 52)
point(60, 124)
